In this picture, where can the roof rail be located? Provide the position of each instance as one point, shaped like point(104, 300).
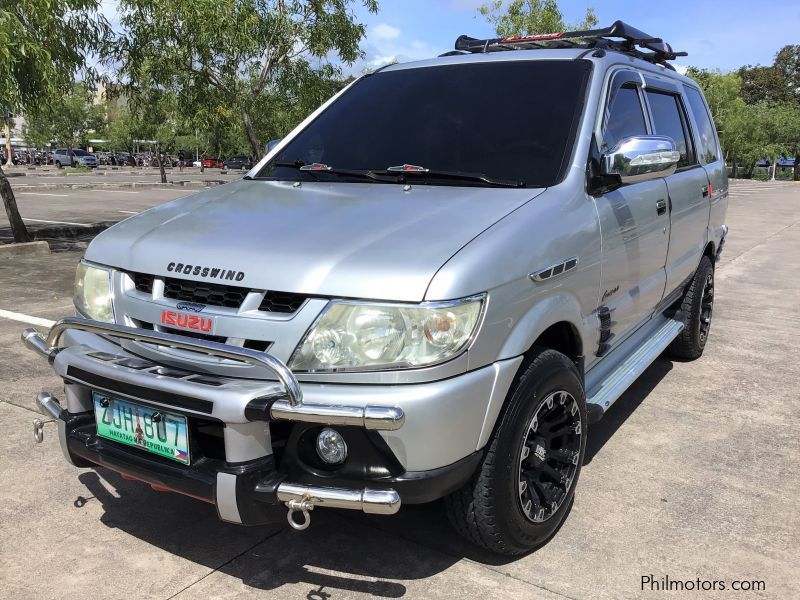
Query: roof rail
point(632, 40)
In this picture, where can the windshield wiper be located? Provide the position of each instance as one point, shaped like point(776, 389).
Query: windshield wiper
point(317, 168)
point(406, 170)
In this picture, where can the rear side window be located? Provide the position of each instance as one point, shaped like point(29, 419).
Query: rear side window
point(668, 120)
point(625, 118)
point(708, 139)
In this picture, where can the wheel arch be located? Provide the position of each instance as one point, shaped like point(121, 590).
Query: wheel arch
point(710, 252)
point(560, 334)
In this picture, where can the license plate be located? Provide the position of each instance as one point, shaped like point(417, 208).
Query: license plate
point(154, 430)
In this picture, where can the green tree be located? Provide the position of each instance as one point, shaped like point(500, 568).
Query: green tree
point(529, 17)
point(70, 122)
point(775, 91)
point(122, 127)
point(763, 84)
point(230, 60)
point(43, 44)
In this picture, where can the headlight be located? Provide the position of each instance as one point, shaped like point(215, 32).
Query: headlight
point(360, 336)
point(93, 293)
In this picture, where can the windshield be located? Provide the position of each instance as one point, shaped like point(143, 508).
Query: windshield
point(507, 121)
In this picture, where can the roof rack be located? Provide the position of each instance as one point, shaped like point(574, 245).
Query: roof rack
point(632, 40)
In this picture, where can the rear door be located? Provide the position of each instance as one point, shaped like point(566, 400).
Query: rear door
point(711, 158)
point(687, 187)
point(633, 220)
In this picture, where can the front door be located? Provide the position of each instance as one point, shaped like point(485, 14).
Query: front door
point(634, 221)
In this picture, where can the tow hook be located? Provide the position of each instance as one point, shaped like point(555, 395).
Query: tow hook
point(51, 408)
point(305, 506)
point(38, 429)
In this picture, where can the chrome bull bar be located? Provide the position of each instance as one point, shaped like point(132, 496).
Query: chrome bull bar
point(48, 346)
point(290, 408)
point(298, 498)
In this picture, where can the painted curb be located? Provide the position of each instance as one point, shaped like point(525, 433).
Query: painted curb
point(40, 248)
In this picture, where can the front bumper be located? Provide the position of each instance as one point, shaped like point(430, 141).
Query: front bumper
point(419, 460)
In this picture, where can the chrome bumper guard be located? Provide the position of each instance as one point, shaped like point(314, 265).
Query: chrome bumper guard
point(289, 406)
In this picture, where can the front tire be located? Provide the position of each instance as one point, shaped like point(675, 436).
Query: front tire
point(697, 306)
point(524, 487)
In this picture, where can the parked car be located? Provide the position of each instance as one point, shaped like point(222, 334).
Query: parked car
point(73, 157)
point(438, 304)
point(197, 163)
point(238, 162)
point(211, 163)
point(121, 159)
point(169, 161)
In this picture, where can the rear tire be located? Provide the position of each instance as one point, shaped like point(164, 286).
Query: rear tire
point(697, 308)
point(524, 487)
point(58, 165)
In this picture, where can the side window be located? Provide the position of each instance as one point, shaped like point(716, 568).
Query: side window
point(708, 139)
point(625, 117)
point(668, 119)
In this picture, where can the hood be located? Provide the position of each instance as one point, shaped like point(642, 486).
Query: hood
point(373, 241)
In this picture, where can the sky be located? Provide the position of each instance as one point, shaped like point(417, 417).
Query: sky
point(717, 34)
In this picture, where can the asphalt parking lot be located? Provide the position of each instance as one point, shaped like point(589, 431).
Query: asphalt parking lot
point(692, 474)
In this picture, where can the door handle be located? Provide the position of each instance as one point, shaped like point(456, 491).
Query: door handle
point(661, 207)
point(705, 190)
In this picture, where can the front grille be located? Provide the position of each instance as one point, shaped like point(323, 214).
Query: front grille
point(217, 294)
point(258, 345)
point(281, 302)
point(201, 292)
point(143, 282)
point(193, 334)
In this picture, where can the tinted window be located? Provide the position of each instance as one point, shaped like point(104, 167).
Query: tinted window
point(508, 120)
point(668, 120)
point(625, 117)
point(708, 139)
point(80, 153)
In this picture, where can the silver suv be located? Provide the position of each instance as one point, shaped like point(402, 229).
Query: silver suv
point(430, 289)
point(73, 157)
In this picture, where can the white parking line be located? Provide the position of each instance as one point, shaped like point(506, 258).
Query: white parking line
point(14, 316)
point(42, 194)
point(57, 222)
point(128, 212)
point(113, 191)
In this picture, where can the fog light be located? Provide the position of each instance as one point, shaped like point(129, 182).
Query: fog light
point(331, 447)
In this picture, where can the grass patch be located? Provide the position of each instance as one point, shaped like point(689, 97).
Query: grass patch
point(74, 170)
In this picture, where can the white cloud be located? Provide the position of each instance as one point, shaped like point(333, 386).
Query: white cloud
point(383, 32)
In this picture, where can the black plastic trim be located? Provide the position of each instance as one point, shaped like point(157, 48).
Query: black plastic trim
point(138, 391)
point(198, 480)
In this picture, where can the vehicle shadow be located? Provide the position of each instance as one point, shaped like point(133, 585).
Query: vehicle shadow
point(342, 550)
point(605, 428)
point(338, 552)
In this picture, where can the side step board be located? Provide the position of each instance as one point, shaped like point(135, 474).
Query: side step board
point(611, 386)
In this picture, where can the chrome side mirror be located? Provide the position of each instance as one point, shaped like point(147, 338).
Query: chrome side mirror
point(641, 158)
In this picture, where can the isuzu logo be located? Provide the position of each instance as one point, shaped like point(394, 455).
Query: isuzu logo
point(179, 320)
point(191, 306)
point(207, 272)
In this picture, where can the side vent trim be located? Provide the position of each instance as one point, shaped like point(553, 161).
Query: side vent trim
point(555, 270)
